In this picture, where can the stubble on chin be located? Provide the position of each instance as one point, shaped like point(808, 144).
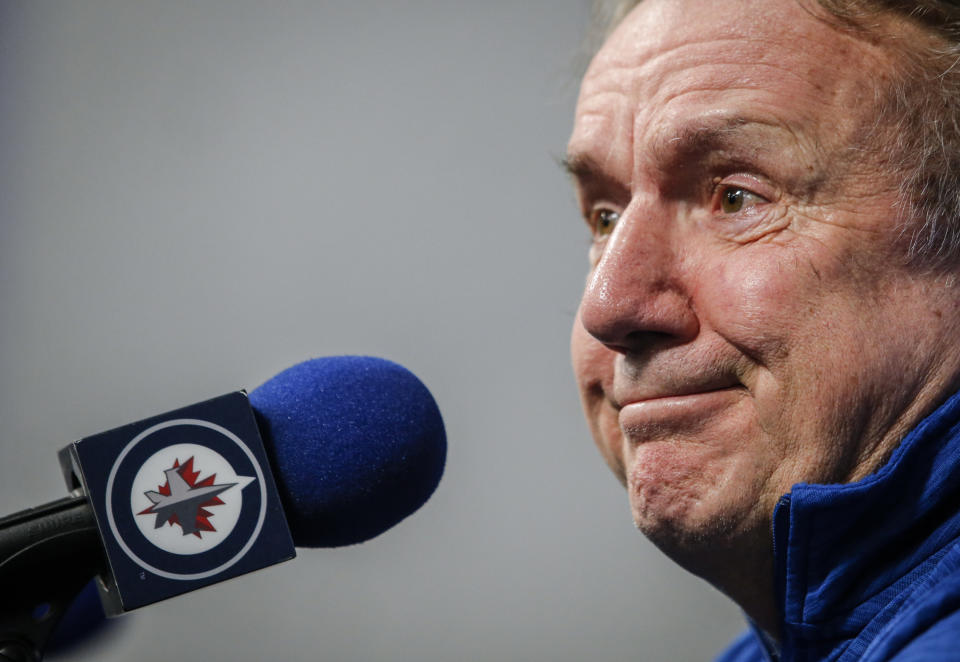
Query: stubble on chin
point(691, 501)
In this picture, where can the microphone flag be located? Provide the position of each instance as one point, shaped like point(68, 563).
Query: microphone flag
point(182, 500)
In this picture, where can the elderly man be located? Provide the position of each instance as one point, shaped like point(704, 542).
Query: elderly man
point(767, 348)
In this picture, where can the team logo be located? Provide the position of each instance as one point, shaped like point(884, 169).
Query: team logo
point(186, 499)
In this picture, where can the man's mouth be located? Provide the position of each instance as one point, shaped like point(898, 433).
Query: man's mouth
point(627, 395)
point(667, 414)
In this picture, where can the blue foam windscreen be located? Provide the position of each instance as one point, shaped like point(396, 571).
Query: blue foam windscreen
point(356, 444)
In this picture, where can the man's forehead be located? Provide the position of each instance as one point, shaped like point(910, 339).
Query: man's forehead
point(656, 26)
point(687, 70)
point(658, 36)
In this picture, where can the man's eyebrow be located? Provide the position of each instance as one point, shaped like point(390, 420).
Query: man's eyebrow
point(579, 165)
point(587, 170)
point(702, 134)
point(589, 174)
point(718, 133)
point(691, 142)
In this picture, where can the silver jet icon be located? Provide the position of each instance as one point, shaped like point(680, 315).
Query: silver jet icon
point(185, 504)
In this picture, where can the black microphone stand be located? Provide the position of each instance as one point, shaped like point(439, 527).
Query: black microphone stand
point(47, 555)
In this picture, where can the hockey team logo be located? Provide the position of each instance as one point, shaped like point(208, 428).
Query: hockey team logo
point(186, 499)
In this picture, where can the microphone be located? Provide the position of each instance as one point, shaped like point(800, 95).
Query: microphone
point(351, 445)
point(356, 445)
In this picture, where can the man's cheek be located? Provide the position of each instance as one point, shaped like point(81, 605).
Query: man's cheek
point(609, 439)
point(751, 295)
point(592, 363)
point(593, 367)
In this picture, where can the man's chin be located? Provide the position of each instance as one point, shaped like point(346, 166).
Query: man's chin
point(697, 533)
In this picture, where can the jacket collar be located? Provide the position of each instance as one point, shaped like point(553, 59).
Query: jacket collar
point(846, 555)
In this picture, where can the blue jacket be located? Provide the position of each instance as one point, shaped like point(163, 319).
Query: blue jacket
point(870, 571)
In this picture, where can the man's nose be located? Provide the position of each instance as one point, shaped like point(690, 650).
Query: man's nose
point(637, 294)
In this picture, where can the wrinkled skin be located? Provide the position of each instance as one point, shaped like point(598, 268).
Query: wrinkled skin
point(749, 320)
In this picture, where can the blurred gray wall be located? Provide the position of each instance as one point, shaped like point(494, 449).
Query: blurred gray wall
point(195, 195)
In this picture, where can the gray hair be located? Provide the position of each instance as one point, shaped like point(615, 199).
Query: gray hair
point(922, 106)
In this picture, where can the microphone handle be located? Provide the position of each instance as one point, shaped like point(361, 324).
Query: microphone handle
point(27, 527)
point(47, 555)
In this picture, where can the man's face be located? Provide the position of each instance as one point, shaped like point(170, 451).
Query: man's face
point(748, 320)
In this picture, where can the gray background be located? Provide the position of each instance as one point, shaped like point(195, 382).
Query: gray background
point(194, 196)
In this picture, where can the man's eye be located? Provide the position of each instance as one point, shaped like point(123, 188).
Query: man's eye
point(602, 221)
point(734, 199)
